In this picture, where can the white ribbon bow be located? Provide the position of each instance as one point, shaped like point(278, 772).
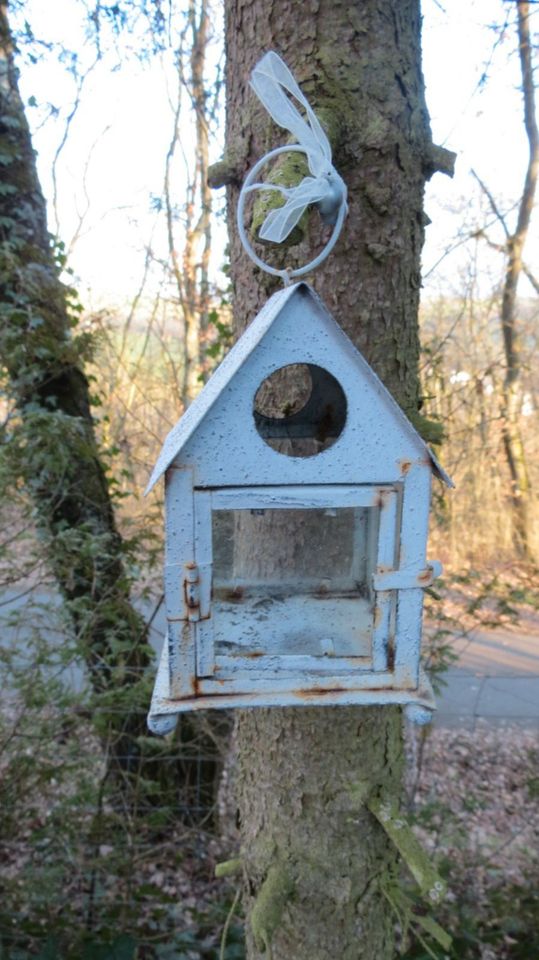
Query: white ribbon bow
point(271, 80)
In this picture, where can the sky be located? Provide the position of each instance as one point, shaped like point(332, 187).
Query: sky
point(112, 163)
point(475, 104)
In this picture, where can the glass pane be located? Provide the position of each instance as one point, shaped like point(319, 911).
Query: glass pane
point(294, 582)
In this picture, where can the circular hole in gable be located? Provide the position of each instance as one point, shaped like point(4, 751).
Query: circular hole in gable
point(300, 410)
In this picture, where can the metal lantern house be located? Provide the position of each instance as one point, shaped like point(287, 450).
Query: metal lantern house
point(295, 538)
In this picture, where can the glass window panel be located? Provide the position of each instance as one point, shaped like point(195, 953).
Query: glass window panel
point(294, 582)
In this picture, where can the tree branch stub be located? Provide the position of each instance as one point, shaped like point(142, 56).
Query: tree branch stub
point(439, 160)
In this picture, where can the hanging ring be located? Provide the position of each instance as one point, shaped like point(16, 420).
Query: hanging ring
point(285, 275)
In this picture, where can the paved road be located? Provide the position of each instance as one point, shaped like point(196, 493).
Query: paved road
point(496, 679)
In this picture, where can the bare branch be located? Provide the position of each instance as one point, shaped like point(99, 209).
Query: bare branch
point(81, 80)
point(531, 277)
point(493, 205)
point(81, 216)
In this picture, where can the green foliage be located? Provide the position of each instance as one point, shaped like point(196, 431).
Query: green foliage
point(81, 860)
point(488, 602)
point(223, 336)
point(438, 654)
point(508, 924)
point(510, 931)
point(414, 922)
point(431, 430)
point(85, 791)
point(465, 925)
point(496, 599)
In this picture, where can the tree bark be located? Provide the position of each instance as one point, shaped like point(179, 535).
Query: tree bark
point(315, 860)
point(54, 451)
point(61, 466)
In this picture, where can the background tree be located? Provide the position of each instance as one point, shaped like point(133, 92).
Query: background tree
point(316, 862)
point(51, 444)
point(191, 271)
point(511, 323)
point(52, 440)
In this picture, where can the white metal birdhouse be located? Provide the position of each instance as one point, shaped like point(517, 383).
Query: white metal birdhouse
point(295, 531)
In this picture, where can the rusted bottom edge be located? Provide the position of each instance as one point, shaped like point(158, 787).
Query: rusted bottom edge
point(163, 710)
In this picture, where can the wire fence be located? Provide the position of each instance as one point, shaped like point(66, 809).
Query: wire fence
point(109, 835)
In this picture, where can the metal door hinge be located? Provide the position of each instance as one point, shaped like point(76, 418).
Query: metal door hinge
point(191, 592)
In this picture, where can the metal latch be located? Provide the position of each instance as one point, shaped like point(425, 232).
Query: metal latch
point(407, 578)
point(191, 592)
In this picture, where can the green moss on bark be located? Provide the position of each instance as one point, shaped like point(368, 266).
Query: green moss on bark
point(269, 906)
point(288, 171)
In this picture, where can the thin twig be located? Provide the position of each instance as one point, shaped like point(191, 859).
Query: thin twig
point(227, 924)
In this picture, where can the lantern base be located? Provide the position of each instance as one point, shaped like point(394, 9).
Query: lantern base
point(418, 703)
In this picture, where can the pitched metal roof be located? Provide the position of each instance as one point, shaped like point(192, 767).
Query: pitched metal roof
point(242, 349)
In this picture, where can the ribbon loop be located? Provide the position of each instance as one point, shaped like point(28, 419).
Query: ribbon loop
point(275, 85)
point(272, 81)
point(269, 80)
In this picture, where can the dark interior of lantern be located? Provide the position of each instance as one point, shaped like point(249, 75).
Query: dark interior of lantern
point(300, 410)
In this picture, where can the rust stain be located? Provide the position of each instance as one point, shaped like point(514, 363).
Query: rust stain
point(302, 694)
point(425, 576)
point(321, 590)
point(318, 692)
point(377, 616)
point(195, 686)
point(253, 654)
point(331, 691)
point(228, 693)
point(381, 498)
point(235, 595)
point(404, 466)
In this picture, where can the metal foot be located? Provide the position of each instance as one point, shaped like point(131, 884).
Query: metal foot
point(418, 714)
point(162, 723)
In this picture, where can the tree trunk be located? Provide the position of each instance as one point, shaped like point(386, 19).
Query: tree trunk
point(315, 859)
point(54, 451)
point(513, 248)
point(190, 269)
point(512, 389)
point(61, 466)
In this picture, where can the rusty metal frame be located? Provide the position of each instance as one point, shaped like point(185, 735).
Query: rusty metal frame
point(194, 673)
